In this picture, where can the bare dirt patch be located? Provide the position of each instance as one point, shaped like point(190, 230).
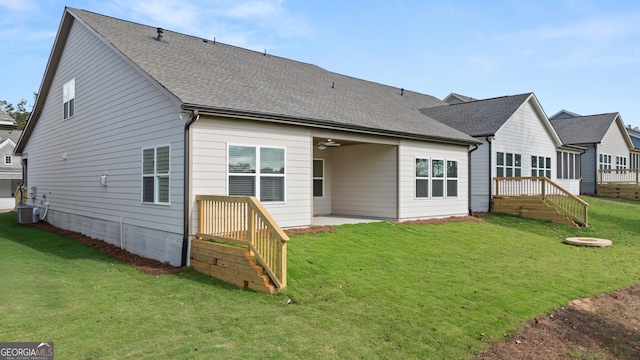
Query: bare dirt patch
point(143, 264)
point(444, 220)
point(603, 327)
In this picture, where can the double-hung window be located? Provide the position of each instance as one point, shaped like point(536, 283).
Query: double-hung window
point(318, 177)
point(257, 171)
point(155, 175)
point(621, 162)
point(434, 180)
point(605, 161)
point(452, 178)
point(508, 164)
point(541, 166)
point(69, 99)
point(422, 178)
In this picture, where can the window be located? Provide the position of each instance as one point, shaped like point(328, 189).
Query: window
point(568, 165)
point(433, 180)
point(257, 170)
point(437, 178)
point(452, 178)
point(155, 175)
point(621, 162)
point(508, 164)
point(605, 161)
point(318, 177)
point(8, 159)
point(69, 98)
point(422, 178)
point(541, 166)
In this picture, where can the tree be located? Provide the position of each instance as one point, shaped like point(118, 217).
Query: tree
point(19, 113)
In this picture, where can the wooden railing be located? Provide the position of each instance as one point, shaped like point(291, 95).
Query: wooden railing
point(618, 176)
point(243, 220)
point(542, 187)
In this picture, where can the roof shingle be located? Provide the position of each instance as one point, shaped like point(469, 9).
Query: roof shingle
point(215, 75)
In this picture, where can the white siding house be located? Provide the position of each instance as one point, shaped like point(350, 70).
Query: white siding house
point(119, 143)
point(605, 140)
point(10, 165)
point(517, 140)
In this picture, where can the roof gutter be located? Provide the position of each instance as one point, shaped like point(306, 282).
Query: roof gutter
point(187, 188)
point(326, 124)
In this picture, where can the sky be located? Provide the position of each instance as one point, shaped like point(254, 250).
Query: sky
point(581, 56)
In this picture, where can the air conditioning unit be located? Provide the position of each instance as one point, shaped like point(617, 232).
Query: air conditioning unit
point(28, 214)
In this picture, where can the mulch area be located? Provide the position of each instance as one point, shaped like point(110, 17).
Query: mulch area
point(143, 264)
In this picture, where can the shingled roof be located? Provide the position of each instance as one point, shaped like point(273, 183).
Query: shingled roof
point(584, 129)
point(480, 117)
point(210, 75)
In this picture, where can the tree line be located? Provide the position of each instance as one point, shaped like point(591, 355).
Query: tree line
point(19, 112)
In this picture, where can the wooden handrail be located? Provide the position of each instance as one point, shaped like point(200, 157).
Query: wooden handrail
point(618, 176)
point(244, 221)
point(548, 191)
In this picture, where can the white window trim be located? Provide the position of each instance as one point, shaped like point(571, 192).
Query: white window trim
point(456, 178)
point(621, 162)
point(155, 175)
point(416, 178)
point(544, 168)
point(317, 178)
point(69, 94)
point(606, 164)
point(505, 167)
point(258, 174)
point(431, 178)
point(8, 160)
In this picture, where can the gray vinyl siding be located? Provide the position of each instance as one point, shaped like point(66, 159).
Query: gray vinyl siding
point(588, 166)
point(117, 113)
point(364, 181)
point(212, 135)
point(481, 178)
point(423, 208)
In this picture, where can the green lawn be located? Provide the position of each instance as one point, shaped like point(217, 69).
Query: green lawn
point(378, 290)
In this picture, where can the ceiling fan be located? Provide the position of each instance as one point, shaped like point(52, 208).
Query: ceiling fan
point(324, 144)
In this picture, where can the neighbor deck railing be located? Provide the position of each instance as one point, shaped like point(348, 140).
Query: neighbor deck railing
point(243, 220)
point(542, 187)
point(618, 176)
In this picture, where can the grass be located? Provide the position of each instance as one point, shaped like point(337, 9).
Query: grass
point(377, 290)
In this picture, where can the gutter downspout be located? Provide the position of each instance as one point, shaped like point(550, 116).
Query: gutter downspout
point(186, 189)
point(488, 138)
point(470, 177)
point(596, 167)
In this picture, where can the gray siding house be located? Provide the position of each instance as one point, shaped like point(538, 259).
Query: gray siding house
point(133, 121)
point(607, 144)
point(516, 138)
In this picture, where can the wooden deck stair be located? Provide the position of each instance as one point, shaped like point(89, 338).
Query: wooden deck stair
point(530, 207)
point(231, 264)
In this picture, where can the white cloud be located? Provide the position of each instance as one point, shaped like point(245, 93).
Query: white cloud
point(250, 24)
point(18, 5)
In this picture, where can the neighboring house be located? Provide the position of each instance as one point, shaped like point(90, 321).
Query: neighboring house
point(606, 142)
point(454, 98)
point(132, 122)
point(634, 157)
point(10, 165)
point(517, 140)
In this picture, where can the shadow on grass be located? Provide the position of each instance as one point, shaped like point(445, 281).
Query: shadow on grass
point(66, 245)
